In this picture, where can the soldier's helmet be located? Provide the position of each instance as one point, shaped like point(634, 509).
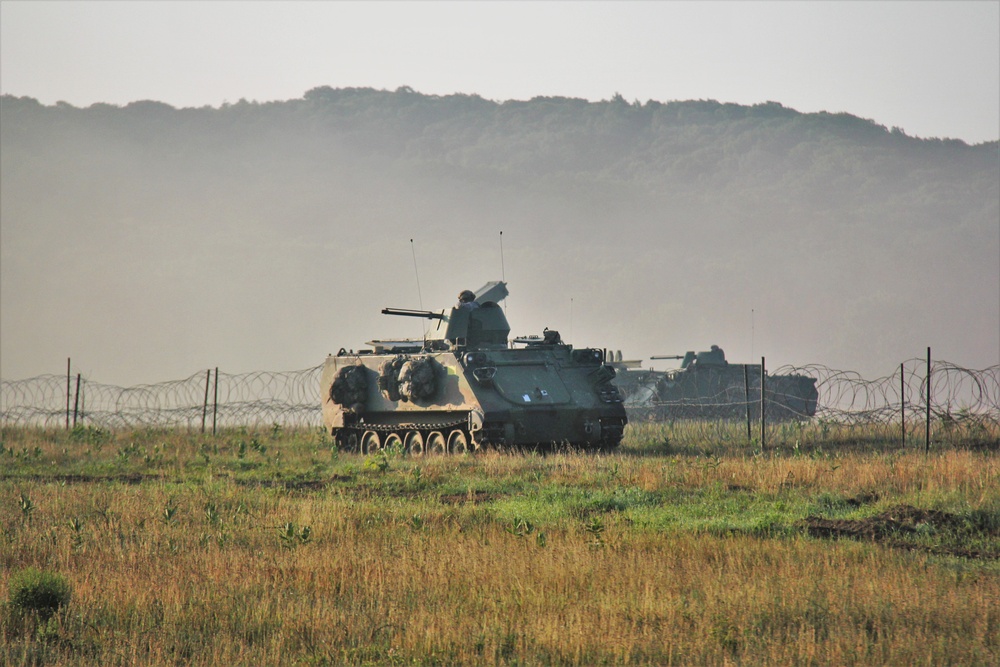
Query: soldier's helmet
point(466, 296)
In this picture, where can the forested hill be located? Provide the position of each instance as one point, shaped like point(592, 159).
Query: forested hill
point(263, 235)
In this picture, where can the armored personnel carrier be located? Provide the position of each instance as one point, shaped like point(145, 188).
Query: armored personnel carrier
point(465, 386)
point(707, 386)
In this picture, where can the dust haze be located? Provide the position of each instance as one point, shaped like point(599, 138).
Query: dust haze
point(149, 243)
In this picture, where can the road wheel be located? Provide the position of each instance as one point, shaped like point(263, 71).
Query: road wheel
point(347, 442)
point(393, 441)
point(414, 443)
point(458, 443)
point(436, 444)
point(370, 443)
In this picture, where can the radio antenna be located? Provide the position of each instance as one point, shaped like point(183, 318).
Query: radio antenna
point(503, 274)
point(420, 298)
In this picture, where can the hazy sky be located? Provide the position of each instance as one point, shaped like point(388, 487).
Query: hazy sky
point(931, 68)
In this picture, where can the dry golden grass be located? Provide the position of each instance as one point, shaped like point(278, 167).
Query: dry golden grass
point(495, 559)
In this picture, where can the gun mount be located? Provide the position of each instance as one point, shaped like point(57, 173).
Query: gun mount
point(479, 323)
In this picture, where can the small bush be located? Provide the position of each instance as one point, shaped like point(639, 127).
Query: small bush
point(38, 591)
point(89, 434)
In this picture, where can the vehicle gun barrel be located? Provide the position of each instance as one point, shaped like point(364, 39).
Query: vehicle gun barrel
point(676, 356)
point(429, 314)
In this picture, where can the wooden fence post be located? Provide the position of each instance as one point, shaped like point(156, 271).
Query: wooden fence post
point(746, 398)
point(902, 403)
point(76, 400)
point(69, 390)
point(215, 400)
point(927, 434)
point(762, 409)
point(204, 405)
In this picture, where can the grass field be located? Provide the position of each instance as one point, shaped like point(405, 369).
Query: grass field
point(271, 547)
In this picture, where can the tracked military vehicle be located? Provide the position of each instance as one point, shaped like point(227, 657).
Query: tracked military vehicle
point(707, 386)
point(465, 386)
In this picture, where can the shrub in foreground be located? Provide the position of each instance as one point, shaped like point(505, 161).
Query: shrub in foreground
point(39, 592)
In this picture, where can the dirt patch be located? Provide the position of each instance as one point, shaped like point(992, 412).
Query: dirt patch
point(380, 493)
point(474, 498)
point(902, 519)
point(131, 478)
point(895, 525)
point(293, 484)
point(862, 499)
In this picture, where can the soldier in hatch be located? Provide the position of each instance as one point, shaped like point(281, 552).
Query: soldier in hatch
point(467, 299)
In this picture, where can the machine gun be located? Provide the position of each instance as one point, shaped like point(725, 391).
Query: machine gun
point(429, 314)
point(713, 357)
point(686, 359)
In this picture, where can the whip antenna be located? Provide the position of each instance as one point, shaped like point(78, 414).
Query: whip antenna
point(503, 273)
point(420, 298)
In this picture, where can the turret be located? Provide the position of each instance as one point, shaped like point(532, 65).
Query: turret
point(713, 357)
point(473, 323)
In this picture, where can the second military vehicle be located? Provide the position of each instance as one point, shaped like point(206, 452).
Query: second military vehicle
point(707, 386)
point(465, 386)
